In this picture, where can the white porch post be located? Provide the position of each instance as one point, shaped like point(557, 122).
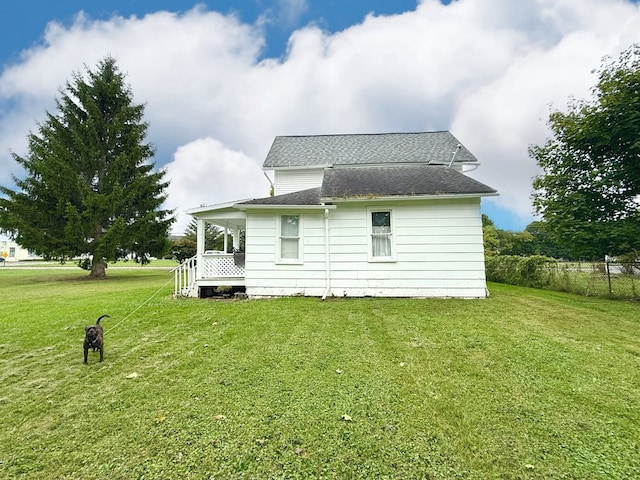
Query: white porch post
point(226, 233)
point(236, 238)
point(200, 247)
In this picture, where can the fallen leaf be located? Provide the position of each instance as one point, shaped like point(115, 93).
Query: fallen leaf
point(402, 364)
point(528, 466)
point(346, 418)
point(299, 451)
point(260, 441)
point(339, 372)
point(160, 418)
point(220, 417)
point(132, 375)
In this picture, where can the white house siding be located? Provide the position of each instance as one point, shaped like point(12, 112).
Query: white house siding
point(265, 277)
point(439, 253)
point(289, 181)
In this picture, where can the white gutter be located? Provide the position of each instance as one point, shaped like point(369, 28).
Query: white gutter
point(219, 206)
point(326, 254)
point(387, 198)
point(265, 206)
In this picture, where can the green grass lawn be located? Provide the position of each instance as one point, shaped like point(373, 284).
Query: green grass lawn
point(525, 384)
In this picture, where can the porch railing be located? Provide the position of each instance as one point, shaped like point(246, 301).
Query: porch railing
point(184, 276)
point(220, 265)
point(214, 266)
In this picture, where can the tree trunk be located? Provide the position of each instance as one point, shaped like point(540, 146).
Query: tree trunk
point(98, 270)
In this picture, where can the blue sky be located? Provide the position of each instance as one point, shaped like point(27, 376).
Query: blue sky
point(220, 79)
point(32, 16)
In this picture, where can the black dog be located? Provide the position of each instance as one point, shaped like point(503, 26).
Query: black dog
point(94, 338)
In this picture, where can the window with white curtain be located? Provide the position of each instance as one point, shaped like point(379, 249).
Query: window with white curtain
point(290, 238)
point(382, 247)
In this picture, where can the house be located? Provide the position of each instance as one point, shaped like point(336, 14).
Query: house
point(390, 215)
point(10, 251)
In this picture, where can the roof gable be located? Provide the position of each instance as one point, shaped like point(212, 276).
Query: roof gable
point(366, 149)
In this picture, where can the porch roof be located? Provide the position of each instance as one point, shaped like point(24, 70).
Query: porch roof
point(223, 215)
point(309, 197)
point(219, 208)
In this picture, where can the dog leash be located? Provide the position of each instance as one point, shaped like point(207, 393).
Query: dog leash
point(95, 371)
point(139, 306)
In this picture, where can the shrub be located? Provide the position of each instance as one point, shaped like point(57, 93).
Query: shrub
point(533, 271)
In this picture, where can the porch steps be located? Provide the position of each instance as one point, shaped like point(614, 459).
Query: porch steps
point(185, 284)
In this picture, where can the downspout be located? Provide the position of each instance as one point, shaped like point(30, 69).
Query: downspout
point(326, 255)
point(455, 152)
point(272, 190)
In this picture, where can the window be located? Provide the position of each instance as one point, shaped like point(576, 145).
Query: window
point(289, 238)
point(382, 245)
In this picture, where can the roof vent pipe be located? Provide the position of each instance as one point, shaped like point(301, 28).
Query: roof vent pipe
point(455, 152)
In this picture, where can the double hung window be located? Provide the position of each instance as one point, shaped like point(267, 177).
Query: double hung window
point(381, 236)
point(289, 242)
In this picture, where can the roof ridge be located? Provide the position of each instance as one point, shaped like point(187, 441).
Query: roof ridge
point(363, 134)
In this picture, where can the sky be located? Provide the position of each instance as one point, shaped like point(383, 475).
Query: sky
point(220, 79)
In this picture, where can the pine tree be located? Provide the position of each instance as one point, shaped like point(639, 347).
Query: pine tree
point(91, 188)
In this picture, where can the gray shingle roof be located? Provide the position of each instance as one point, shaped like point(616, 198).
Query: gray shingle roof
point(371, 182)
point(398, 181)
point(303, 197)
point(361, 149)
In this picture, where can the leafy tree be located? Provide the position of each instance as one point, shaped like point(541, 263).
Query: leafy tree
point(589, 190)
point(516, 243)
point(504, 242)
point(490, 236)
point(186, 246)
point(91, 189)
point(543, 243)
point(533, 241)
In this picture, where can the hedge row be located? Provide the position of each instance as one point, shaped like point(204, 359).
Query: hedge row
point(533, 271)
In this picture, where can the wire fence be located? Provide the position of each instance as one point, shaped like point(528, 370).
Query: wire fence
point(608, 278)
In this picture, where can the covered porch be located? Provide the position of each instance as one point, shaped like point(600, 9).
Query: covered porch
point(211, 272)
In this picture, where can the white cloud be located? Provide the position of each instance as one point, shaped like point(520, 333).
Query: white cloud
point(485, 69)
point(291, 10)
point(205, 172)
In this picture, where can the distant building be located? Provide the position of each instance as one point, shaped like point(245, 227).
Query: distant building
point(12, 252)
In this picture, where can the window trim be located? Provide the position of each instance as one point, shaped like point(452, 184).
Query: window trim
point(279, 237)
point(392, 235)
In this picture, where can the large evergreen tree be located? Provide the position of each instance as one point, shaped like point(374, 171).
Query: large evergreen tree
point(589, 191)
point(91, 187)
